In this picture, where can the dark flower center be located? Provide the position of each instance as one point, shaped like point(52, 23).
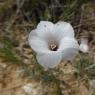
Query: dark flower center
point(53, 46)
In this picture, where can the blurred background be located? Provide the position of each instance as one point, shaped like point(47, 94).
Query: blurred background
point(19, 72)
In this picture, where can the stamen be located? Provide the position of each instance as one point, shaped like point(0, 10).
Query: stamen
point(53, 46)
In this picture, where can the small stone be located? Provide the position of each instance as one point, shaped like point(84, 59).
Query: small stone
point(92, 83)
point(27, 88)
point(3, 65)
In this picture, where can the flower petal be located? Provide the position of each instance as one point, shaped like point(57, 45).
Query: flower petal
point(69, 54)
point(63, 29)
point(68, 42)
point(69, 48)
point(84, 48)
point(32, 34)
point(44, 29)
point(36, 43)
point(49, 60)
point(45, 25)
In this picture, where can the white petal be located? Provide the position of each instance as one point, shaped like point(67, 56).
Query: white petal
point(84, 48)
point(63, 29)
point(36, 43)
point(44, 29)
point(49, 60)
point(68, 42)
point(45, 25)
point(69, 54)
point(32, 34)
point(69, 48)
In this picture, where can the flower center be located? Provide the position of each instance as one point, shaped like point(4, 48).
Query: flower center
point(53, 46)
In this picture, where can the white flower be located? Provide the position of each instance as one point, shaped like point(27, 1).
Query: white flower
point(84, 45)
point(53, 42)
